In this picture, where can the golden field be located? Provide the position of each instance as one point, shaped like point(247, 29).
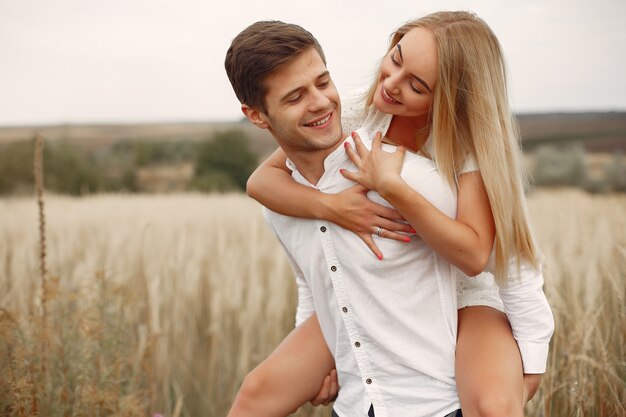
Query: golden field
point(161, 304)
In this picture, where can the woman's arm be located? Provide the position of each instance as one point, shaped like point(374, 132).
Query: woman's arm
point(466, 241)
point(272, 186)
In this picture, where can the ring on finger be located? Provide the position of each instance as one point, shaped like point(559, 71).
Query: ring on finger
point(378, 230)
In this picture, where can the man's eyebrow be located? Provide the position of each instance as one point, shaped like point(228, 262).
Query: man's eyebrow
point(418, 79)
point(295, 90)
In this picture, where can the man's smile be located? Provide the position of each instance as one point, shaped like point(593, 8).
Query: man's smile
point(321, 122)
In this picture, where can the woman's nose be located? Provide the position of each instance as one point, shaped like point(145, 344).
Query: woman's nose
point(392, 84)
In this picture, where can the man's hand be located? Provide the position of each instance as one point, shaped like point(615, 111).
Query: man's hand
point(328, 391)
point(531, 384)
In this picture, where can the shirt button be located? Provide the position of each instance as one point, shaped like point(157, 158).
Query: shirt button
point(357, 344)
point(323, 229)
point(368, 381)
point(333, 268)
point(344, 309)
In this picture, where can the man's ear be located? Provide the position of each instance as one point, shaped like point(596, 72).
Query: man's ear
point(257, 117)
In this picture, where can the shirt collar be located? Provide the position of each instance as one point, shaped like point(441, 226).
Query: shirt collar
point(331, 163)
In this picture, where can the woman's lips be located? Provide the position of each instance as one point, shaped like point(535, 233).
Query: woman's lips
point(386, 97)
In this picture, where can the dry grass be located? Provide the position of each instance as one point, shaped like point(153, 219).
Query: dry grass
point(161, 304)
point(584, 240)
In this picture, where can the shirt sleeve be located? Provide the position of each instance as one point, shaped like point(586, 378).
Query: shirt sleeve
point(529, 313)
point(306, 306)
point(469, 162)
point(469, 165)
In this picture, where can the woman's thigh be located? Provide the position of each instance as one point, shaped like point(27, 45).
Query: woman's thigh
point(299, 364)
point(488, 364)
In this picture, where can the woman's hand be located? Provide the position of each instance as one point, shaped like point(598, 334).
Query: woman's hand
point(377, 168)
point(352, 210)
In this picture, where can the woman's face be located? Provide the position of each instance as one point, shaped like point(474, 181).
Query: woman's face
point(408, 76)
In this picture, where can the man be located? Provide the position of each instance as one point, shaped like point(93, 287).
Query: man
point(390, 326)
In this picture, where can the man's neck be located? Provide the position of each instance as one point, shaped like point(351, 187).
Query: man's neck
point(310, 164)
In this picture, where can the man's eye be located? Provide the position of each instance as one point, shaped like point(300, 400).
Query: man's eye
point(294, 99)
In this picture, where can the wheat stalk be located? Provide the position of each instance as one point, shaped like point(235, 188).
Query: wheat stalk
point(38, 173)
point(39, 177)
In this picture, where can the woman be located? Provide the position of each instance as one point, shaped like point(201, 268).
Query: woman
point(440, 91)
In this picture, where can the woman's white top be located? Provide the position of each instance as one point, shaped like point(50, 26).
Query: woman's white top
point(522, 298)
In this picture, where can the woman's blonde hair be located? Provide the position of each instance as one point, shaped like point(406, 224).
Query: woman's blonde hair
point(471, 116)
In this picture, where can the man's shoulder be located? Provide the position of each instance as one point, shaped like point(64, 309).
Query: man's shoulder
point(280, 223)
point(272, 216)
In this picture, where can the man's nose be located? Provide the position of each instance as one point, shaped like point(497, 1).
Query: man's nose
point(319, 101)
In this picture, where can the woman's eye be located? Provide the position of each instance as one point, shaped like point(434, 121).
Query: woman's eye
point(393, 59)
point(417, 90)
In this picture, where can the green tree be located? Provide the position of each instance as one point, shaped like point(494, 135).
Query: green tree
point(227, 153)
point(69, 169)
point(16, 167)
point(560, 165)
point(615, 172)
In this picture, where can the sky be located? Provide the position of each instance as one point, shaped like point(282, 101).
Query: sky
point(82, 61)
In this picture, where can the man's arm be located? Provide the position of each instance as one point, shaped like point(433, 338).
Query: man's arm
point(306, 309)
point(529, 313)
point(306, 305)
point(304, 312)
point(295, 371)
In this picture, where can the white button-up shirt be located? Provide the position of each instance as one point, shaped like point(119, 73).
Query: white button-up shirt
point(391, 325)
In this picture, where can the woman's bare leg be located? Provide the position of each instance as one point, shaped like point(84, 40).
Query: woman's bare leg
point(291, 376)
point(489, 373)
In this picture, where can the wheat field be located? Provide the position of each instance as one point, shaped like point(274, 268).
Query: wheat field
point(159, 305)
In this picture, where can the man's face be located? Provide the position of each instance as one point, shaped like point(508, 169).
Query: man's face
point(303, 106)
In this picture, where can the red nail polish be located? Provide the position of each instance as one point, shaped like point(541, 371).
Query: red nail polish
point(407, 239)
point(412, 230)
point(380, 257)
point(346, 144)
point(353, 133)
point(341, 171)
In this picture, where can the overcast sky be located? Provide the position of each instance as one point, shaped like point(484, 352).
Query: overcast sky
point(73, 61)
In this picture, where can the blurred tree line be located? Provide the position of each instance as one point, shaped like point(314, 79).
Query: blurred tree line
point(222, 162)
point(566, 165)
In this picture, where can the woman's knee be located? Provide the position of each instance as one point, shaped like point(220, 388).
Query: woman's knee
point(487, 404)
point(254, 389)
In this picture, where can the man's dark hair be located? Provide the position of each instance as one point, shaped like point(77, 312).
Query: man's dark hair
point(261, 49)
